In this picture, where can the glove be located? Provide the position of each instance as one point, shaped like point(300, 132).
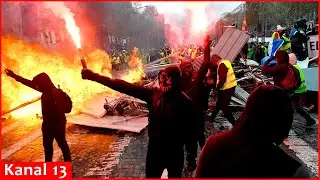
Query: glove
point(9, 72)
point(87, 74)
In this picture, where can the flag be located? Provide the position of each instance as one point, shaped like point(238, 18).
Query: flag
point(274, 46)
point(244, 24)
point(293, 32)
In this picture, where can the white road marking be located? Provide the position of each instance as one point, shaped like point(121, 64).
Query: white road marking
point(111, 159)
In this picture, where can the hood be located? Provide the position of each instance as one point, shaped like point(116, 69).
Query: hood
point(43, 82)
point(175, 74)
point(268, 115)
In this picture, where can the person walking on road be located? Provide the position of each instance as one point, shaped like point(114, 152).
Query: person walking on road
point(225, 85)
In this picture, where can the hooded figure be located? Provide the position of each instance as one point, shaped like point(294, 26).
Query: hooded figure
point(54, 104)
point(194, 86)
point(250, 149)
point(170, 119)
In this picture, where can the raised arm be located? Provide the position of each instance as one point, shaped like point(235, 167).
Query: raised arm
point(22, 80)
point(272, 70)
point(136, 91)
point(206, 60)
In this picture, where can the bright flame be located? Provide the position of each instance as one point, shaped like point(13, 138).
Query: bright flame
point(73, 29)
point(200, 20)
point(29, 60)
point(60, 10)
point(136, 69)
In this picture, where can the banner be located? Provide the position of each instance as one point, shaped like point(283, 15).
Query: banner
point(313, 46)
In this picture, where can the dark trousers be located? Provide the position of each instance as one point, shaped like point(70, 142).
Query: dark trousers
point(162, 156)
point(224, 98)
point(192, 146)
point(49, 133)
point(297, 106)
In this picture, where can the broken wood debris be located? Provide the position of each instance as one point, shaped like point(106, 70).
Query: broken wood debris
point(21, 106)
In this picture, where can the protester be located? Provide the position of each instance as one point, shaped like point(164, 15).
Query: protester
point(170, 119)
point(225, 86)
point(251, 149)
point(193, 85)
point(287, 77)
point(299, 95)
point(54, 103)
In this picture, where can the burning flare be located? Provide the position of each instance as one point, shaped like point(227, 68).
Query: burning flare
point(60, 10)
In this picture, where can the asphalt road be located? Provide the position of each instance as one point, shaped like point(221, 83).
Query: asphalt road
point(101, 153)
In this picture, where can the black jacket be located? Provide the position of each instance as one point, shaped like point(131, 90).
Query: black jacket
point(170, 115)
point(52, 99)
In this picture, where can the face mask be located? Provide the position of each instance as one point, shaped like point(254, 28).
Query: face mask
point(188, 70)
point(165, 82)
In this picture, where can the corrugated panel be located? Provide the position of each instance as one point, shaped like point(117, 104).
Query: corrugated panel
point(230, 44)
point(228, 47)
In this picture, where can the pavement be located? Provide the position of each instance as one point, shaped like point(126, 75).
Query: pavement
point(104, 153)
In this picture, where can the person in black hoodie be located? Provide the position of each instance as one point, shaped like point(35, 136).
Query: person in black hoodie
point(170, 119)
point(251, 149)
point(193, 85)
point(54, 103)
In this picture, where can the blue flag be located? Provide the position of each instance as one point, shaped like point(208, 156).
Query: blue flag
point(276, 44)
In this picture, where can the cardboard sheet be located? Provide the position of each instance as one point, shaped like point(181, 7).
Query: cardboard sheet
point(111, 122)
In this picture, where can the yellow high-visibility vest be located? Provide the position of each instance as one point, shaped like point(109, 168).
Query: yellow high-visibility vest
point(116, 60)
point(303, 86)
point(231, 78)
point(194, 54)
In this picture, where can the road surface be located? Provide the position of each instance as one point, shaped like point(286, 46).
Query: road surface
point(100, 153)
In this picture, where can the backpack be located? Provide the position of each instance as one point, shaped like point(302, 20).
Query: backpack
point(66, 102)
point(292, 80)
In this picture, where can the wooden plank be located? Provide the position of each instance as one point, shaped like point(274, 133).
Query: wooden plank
point(21, 106)
point(133, 125)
